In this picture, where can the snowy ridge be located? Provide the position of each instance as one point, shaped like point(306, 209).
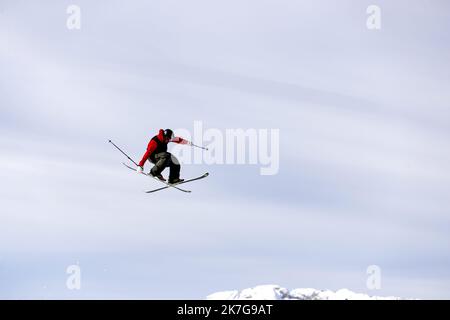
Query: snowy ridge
point(275, 292)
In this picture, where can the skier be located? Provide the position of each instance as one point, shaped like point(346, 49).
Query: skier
point(157, 154)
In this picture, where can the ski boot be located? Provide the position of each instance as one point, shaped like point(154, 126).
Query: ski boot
point(158, 176)
point(175, 181)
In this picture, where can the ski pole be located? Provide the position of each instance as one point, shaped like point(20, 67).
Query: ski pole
point(198, 146)
point(123, 152)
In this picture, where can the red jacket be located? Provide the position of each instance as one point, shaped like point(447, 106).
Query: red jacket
point(152, 146)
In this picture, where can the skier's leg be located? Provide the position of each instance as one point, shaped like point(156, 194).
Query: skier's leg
point(162, 161)
point(175, 168)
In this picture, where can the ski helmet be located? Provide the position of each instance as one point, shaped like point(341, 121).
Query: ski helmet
point(168, 134)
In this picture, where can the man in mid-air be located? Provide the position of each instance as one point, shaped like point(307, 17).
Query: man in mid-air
point(157, 154)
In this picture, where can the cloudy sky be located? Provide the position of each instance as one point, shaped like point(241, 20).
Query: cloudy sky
point(364, 124)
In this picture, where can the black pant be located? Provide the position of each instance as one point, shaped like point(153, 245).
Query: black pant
point(163, 160)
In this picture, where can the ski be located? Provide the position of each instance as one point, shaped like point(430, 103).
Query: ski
point(176, 184)
point(168, 185)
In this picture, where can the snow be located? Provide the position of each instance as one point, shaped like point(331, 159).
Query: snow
point(275, 292)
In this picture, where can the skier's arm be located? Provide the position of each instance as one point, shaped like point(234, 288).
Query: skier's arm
point(179, 140)
point(150, 148)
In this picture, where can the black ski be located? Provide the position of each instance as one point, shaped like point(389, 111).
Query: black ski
point(176, 184)
point(168, 185)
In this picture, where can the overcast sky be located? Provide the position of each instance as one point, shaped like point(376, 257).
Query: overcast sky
point(364, 124)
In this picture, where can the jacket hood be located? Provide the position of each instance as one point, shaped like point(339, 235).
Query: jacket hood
point(160, 135)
